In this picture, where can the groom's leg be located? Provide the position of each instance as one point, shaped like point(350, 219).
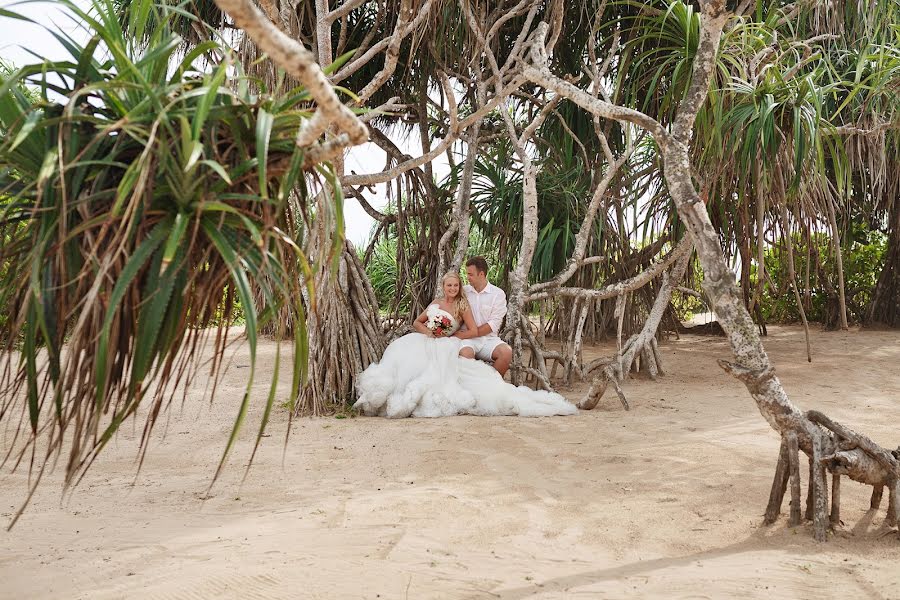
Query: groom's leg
point(470, 348)
point(502, 356)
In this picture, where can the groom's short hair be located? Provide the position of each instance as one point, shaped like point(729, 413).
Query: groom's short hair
point(479, 263)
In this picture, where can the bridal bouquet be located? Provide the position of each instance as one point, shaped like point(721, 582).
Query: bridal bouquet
point(439, 324)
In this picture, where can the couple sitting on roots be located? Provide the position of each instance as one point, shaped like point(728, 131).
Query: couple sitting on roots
point(434, 372)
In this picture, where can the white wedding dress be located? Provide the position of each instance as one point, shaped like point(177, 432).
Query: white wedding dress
point(421, 376)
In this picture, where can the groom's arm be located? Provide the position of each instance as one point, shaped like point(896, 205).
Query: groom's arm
point(497, 313)
point(480, 331)
point(484, 329)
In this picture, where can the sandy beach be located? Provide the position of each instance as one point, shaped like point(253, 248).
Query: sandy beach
point(664, 501)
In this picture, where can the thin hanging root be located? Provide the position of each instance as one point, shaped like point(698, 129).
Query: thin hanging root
point(539, 378)
point(856, 440)
point(620, 394)
point(787, 470)
point(610, 372)
point(345, 337)
point(849, 439)
point(539, 368)
point(596, 391)
point(657, 357)
point(640, 351)
point(638, 355)
point(649, 361)
point(794, 449)
point(613, 370)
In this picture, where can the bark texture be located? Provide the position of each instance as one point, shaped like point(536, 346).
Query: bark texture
point(885, 308)
point(345, 335)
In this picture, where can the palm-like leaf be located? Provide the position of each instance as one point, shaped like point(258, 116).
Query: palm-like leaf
point(149, 202)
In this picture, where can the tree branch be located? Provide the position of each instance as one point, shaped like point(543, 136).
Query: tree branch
point(300, 63)
point(540, 74)
point(342, 11)
point(621, 287)
point(452, 136)
point(357, 63)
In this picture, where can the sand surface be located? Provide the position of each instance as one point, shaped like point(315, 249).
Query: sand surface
point(664, 501)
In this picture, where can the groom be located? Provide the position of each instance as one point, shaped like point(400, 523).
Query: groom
point(488, 304)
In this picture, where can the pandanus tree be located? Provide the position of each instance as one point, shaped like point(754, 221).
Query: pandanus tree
point(149, 199)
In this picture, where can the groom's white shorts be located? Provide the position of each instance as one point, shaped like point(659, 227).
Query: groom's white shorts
point(483, 346)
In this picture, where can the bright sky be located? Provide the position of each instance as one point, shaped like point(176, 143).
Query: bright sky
point(369, 158)
point(17, 37)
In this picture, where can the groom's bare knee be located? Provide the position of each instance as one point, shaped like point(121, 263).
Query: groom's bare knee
point(467, 352)
point(502, 356)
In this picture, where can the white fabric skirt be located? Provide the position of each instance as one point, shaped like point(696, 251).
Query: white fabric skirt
point(419, 376)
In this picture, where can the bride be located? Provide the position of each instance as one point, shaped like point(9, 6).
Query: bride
point(422, 375)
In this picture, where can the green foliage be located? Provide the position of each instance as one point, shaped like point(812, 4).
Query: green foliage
point(6, 237)
point(563, 187)
point(564, 191)
point(686, 306)
point(144, 199)
point(658, 56)
point(382, 272)
point(863, 256)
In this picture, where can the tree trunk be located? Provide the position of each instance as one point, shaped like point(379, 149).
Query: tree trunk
point(885, 307)
point(753, 366)
point(345, 335)
point(460, 219)
point(640, 348)
point(516, 319)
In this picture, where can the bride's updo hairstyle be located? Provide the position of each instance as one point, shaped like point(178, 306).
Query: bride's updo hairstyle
point(461, 304)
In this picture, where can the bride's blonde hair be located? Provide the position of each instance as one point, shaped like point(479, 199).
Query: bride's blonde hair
point(461, 304)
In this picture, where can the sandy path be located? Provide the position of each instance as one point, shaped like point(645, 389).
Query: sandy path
point(663, 501)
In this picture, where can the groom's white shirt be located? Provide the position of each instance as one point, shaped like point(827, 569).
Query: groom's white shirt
point(488, 306)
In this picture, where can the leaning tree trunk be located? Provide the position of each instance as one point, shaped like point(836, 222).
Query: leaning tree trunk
point(885, 307)
point(829, 445)
point(516, 320)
